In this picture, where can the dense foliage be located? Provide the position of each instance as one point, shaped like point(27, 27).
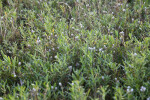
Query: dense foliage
point(74, 49)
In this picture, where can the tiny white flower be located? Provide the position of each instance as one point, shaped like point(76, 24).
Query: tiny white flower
point(143, 89)
point(38, 40)
point(124, 10)
point(14, 74)
point(102, 77)
point(11, 19)
point(122, 33)
point(55, 88)
point(19, 63)
point(60, 84)
point(53, 49)
point(105, 12)
point(128, 87)
point(77, 37)
point(93, 48)
point(29, 45)
point(100, 49)
point(72, 83)
point(56, 57)
point(132, 19)
point(113, 17)
point(32, 84)
point(139, 22)
point(90, 48)
point(91, 13)
point(111, 33)
point(32, 31)
point(34, 89)
point(1, 98)
point(70, 68)
point(77, 29)
point(71, 34)
point(87, 5)
point(81, 25)
point(72, 18)
point(135, 54)
point(128, 90)
point(105, 47)
point(119, 4)
point(52, 87)
point(131, 90)
point(49, 37)
point(2, 18)
point(113, 46)
point(148, 98)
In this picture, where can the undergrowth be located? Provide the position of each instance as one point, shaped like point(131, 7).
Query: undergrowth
point(74, 50)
